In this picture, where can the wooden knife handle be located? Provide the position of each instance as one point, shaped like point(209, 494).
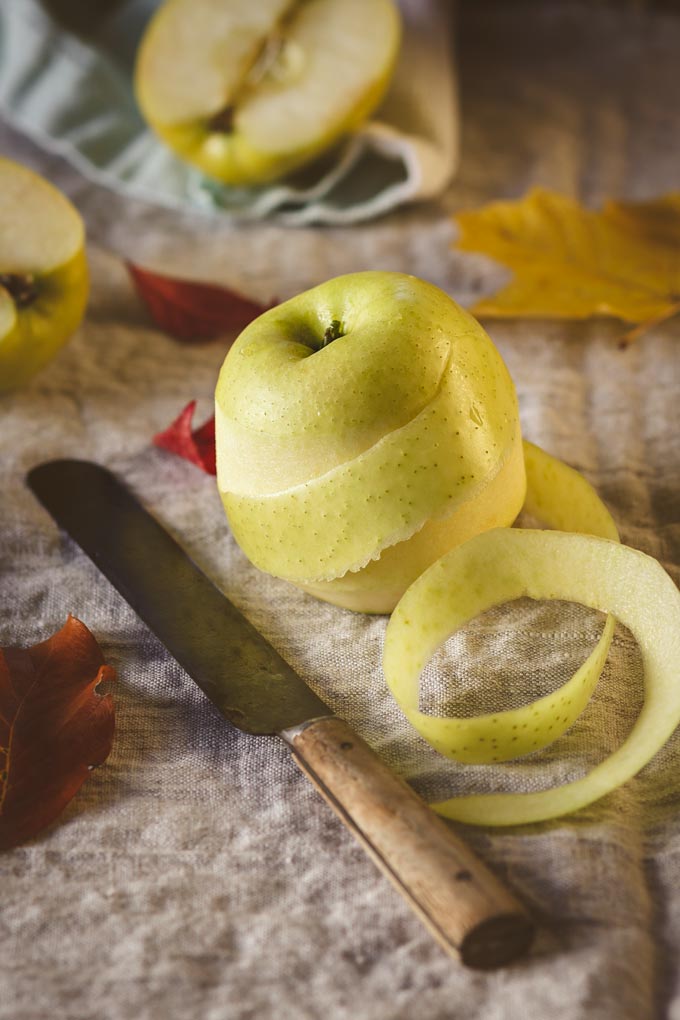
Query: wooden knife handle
point(461, 902)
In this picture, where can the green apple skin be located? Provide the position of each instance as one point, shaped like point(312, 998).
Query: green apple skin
point(382, 582)
point(245, 154)
point(348, 468)
point(35, 334)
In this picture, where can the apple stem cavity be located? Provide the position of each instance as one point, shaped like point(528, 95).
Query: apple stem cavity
point(332, 332)
point(21, 288)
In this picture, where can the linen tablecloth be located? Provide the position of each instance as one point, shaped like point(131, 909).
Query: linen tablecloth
point(197, 874)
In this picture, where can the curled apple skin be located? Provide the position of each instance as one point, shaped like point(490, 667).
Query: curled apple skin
point(364, 428)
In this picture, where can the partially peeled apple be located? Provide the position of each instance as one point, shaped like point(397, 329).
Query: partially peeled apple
point(249, 90)
point(43, 272)
point(364, 428)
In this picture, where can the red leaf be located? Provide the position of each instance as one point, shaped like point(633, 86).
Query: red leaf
point(53, 727)
point(193, 311)
point(197, 446)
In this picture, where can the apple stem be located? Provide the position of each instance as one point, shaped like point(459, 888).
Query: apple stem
point(20, 288)
point(332, 332)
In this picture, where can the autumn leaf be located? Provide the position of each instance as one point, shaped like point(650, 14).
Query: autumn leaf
point(571, 262)
point(54, 727)
point(198, 445)
point(189, 310)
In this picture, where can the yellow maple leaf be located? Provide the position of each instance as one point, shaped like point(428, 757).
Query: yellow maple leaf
point(571, 262)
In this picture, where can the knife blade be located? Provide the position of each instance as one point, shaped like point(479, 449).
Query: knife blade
point(472, 915)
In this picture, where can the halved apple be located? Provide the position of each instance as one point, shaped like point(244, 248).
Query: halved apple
point(43, 272)
point(248, 91)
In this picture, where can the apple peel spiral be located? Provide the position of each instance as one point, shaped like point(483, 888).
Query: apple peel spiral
point(505, 564)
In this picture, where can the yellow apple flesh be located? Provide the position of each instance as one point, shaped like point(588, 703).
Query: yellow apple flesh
point(248, 91)
point(43, 273)
point(364, 428)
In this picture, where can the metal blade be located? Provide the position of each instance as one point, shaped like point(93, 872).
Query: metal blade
point(237, 668)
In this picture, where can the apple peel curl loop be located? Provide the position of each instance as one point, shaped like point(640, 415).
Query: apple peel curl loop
point(505, 564)
point(561, 497)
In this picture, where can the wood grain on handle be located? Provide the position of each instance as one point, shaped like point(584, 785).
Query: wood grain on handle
point(465, 907)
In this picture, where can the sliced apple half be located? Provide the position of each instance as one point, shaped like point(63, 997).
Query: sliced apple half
point(363, 429)
point(43, 272)
point(248, 90)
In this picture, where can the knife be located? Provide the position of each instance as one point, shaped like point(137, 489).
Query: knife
point(470, 913)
